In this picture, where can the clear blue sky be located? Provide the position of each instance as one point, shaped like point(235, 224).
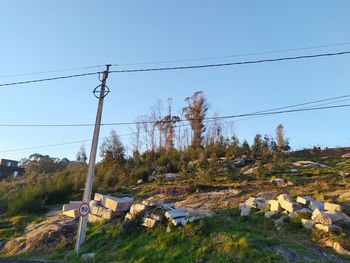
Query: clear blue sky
point(50, 35)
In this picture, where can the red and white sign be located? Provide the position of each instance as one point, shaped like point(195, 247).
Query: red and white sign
point(84, 209)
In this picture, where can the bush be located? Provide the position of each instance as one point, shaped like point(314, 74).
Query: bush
point(140, 173)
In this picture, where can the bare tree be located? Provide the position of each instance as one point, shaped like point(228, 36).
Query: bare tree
point(215, 130)
point(282, 143)
point(81, 155)
point(280, 137)
point(136, 136)
point(157, 116)
point(195, 112)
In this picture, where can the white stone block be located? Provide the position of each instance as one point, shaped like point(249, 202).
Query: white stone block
point(332, 207)
point(71, 213)
point(117, 204)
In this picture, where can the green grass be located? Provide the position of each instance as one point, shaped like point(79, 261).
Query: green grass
point(223, 238)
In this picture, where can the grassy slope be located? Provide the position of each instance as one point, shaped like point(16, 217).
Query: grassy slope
point(223, 238)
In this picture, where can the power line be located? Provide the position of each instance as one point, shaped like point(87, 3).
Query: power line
point(233, 56)
point(183, 67)
point(263, 113)
point(231, 63)
point(250, 115)
point(48, 79)
point(50, 71)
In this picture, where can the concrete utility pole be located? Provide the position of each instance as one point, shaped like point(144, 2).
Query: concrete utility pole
point(89, 179)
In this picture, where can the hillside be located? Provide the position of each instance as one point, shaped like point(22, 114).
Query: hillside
point(225, 236)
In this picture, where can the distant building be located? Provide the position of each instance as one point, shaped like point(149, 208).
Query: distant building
point(10, 168)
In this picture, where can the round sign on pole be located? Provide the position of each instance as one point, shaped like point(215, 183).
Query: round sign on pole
point(83, 209)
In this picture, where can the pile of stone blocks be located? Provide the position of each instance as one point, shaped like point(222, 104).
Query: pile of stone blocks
point(151, 213)
point(253, 202)
point(102, 207)
point(325, 216)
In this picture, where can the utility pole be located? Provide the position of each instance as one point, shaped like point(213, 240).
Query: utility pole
point(91, 169)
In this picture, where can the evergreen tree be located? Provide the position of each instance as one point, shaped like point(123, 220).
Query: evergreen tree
point(112, 149)
point(245, 149)
point(257, 146)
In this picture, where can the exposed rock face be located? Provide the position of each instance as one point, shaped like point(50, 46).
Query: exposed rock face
point(209, 201)
point(43, 236)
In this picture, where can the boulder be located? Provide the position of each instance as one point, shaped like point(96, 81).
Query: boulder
point(270, 214)
point(244, 209)
point(307, 223)
point(293, 214)
point(117, 204)
point(305, 200)
point(140, 181)
point(334, 216)
point(239, 162)
point(345, 218)
point(152, 178)
point(332, 207)
point(304, 211)
point(71, 213)
point(87, 257)
point(328, 228)
point(170, 176)
point(316, 205)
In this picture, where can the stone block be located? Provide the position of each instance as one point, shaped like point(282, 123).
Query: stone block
point(275, 206)
point(179, 221)
point(251, 202)
point(94, 218)
point(68, 207)
point(305, 200)
point(129, 216)
point(307, 223)
point(286, 203)
point(328, 228)
point(98, 197)
point(245, 209)
point(316, 205)
point(176, 213)
point(149, 222)
point(332, 207)
point(71, 213)
point(320, 217)
point(137, 208)
point(101, 212)
point(117, 204)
